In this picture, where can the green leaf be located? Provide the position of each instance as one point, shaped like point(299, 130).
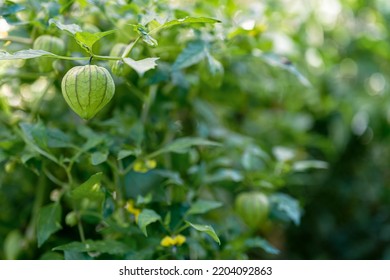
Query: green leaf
point(215, 67)
point(126, 153)
point(108, 246)
point(36, 137)
point(285, 207)
point(98, 157)
point(203, 206)
point(192, 54)
point(309, 164)
point(258, 242)
point(10, 8)
point(86, 39)
point(25, 54)
point(224, 175)
point(57, 139)
point(181, 145)
point(93, 139)
point(76, 256)
point(173, 177)
point(186, 20)
point(36, 133)
point(72, 29)
point(143, 65)
point(145, 218)
point(142, 31)
point(90, 189)
point(137, 133)
point(281, 62)
point(49, 222)
point(206, 229)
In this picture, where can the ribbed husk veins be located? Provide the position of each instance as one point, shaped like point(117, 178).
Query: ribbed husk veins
point(253, 208)
point(87, 89)
point(51, 44)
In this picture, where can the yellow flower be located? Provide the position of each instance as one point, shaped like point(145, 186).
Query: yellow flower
point(143, 166)
point(180, 239)
point(130, 207)
point(168, 241)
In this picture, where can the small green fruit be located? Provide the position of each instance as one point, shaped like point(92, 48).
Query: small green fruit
point(51, 44)
point(71, 219)
point(118, 67)
point(253, 208)
point(87, 89)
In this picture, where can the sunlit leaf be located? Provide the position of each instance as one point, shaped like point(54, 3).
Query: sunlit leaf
point(309, 164)
point(143, 65)
point(186, 20)
point(25, 54)
point(86, 39)
point(72, 29)
point(206, 229)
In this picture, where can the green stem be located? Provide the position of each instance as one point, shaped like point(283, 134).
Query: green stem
point(181, 229)
point(130, 47)
point(37, 104)
point(38, 202)
point(98, 57)
point(148, 103)
point(81, 230)
point(20, 40)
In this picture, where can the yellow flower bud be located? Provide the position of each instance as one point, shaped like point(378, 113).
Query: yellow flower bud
point(179, 240)
point(142, 166)
point(167, 241)
point(130, 207)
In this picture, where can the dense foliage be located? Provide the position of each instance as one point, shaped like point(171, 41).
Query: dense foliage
point(238, 130)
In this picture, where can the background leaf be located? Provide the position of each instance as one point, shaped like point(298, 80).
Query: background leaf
point(258, 242)
point(181, 145)
point(49, 222)
point(285, 207)
point(101, 246)
point(146, 217)
point(98, 157)
point(186, 20)
point(203, 206)
point(192, 54)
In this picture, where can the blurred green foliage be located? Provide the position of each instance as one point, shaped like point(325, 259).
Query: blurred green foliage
point(286, 98)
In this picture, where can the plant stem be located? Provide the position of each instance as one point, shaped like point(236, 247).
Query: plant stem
point(81, 230)
point(97, 57)
point(148, 103)
point(40, 193)
point(130, 47)
point(20, 40)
